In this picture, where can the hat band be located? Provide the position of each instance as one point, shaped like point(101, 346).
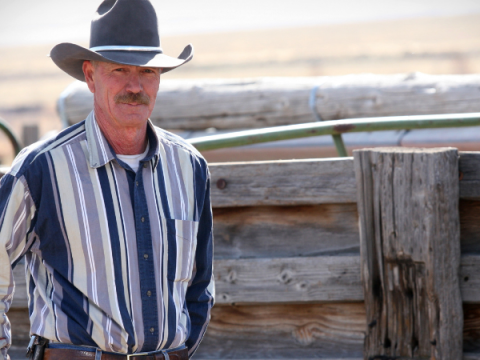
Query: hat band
point(126, 48)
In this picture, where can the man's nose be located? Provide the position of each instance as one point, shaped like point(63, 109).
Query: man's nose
point(134, 84)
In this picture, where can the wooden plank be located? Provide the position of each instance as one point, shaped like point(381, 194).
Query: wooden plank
point(410, 251)
point(273, 278)
point(269, 231)
point(309, 279)
point(323, 278)
point(471, 329)
point(469, 167)
point(297, 182)
point(255, 103)
point(311, 181)
point(298, 320)
point(469, 276)
point(470, 226)
point(279, 280)
point(471, 356)
point(20, 326)
point(304, 182)
point(285, 331)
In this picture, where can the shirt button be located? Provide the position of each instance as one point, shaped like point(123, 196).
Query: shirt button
point(145, 256)
point(152, 330)
point(149, 293)
point(136, 183)
point(143, 219)
point(144, 165)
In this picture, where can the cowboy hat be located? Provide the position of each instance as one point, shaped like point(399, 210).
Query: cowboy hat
point(122, 32)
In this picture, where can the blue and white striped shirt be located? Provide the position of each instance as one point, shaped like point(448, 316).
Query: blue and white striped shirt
point(114, 259)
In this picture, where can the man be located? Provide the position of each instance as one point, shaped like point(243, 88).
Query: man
point(113, 215)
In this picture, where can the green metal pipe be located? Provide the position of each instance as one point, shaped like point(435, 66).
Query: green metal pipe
point(340, 145)
point(11, 136)
point(335, 127)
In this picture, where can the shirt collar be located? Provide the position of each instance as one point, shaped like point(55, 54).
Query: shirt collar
point(99, 150)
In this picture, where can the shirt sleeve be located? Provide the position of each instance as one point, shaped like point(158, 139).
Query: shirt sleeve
point(16, 212)
point(201, 292)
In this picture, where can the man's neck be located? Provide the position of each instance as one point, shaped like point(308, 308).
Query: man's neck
point(125, 140)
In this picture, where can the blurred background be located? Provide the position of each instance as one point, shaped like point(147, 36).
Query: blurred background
point(233, 39)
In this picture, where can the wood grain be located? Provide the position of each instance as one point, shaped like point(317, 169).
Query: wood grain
point(471, 329)
point(271, 231)
point(262, 102)
point(299, 279)
point(471, 356)
point(469, 167)
point(469, 277)
point(323, 278)
point(410, 251)
point(310, 279)
point(306, 182)
point(470, 226)
point(297, 182)
point(284, 331)
point(302, 327)
point(20, 326)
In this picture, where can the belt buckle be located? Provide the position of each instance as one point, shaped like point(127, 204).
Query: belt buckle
point(163, 352)
point(130, 356)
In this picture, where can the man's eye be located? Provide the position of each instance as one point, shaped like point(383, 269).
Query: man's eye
point(119, 69)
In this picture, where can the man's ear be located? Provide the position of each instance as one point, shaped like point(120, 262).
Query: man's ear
point(88, 71)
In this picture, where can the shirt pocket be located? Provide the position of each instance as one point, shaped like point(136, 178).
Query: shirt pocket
point(182, 243)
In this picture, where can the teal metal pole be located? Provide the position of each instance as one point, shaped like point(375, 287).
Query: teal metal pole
point(335, 127)
point(11, 136)
point(340, 145)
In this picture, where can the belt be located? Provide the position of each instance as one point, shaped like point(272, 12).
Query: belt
point(78, 354)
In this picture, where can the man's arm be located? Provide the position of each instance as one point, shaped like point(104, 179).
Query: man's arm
point(201, 292)
point(16, 209)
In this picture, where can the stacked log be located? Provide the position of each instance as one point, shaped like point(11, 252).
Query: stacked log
point(264, 102)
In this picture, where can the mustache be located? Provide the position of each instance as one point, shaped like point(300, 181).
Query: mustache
point(128, 98)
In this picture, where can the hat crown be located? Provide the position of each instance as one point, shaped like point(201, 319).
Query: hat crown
point(125, 23)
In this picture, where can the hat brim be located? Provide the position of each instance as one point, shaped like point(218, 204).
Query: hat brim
point(70, 57)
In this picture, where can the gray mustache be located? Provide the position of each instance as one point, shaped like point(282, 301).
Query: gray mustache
point(129, 98)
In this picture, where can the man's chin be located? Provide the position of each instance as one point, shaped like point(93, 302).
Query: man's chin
point(132, 119)
point(133, 113)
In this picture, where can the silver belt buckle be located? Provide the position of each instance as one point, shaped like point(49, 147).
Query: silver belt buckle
point(130, 356)
point(164, 353)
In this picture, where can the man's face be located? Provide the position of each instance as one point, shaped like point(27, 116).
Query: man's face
point(124, 95)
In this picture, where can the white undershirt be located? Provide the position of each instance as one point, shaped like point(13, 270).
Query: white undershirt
point(134, 160)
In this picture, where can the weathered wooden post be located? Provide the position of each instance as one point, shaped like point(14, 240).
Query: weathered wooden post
point(410, 252)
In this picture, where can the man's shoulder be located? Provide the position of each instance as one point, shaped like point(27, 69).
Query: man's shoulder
point(177, 141)
point(32, 153)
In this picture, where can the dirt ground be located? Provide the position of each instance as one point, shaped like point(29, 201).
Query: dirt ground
point(30, 83)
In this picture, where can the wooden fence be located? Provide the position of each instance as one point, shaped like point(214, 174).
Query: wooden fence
point(375, 257)
point(230, 104)
point(203, 107)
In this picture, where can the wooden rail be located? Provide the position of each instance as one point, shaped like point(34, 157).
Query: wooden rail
point(288, 262)
point(264, 102)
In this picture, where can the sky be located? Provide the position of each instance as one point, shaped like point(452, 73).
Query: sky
point(31, 22)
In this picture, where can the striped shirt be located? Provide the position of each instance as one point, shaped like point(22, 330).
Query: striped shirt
point(117, 259)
